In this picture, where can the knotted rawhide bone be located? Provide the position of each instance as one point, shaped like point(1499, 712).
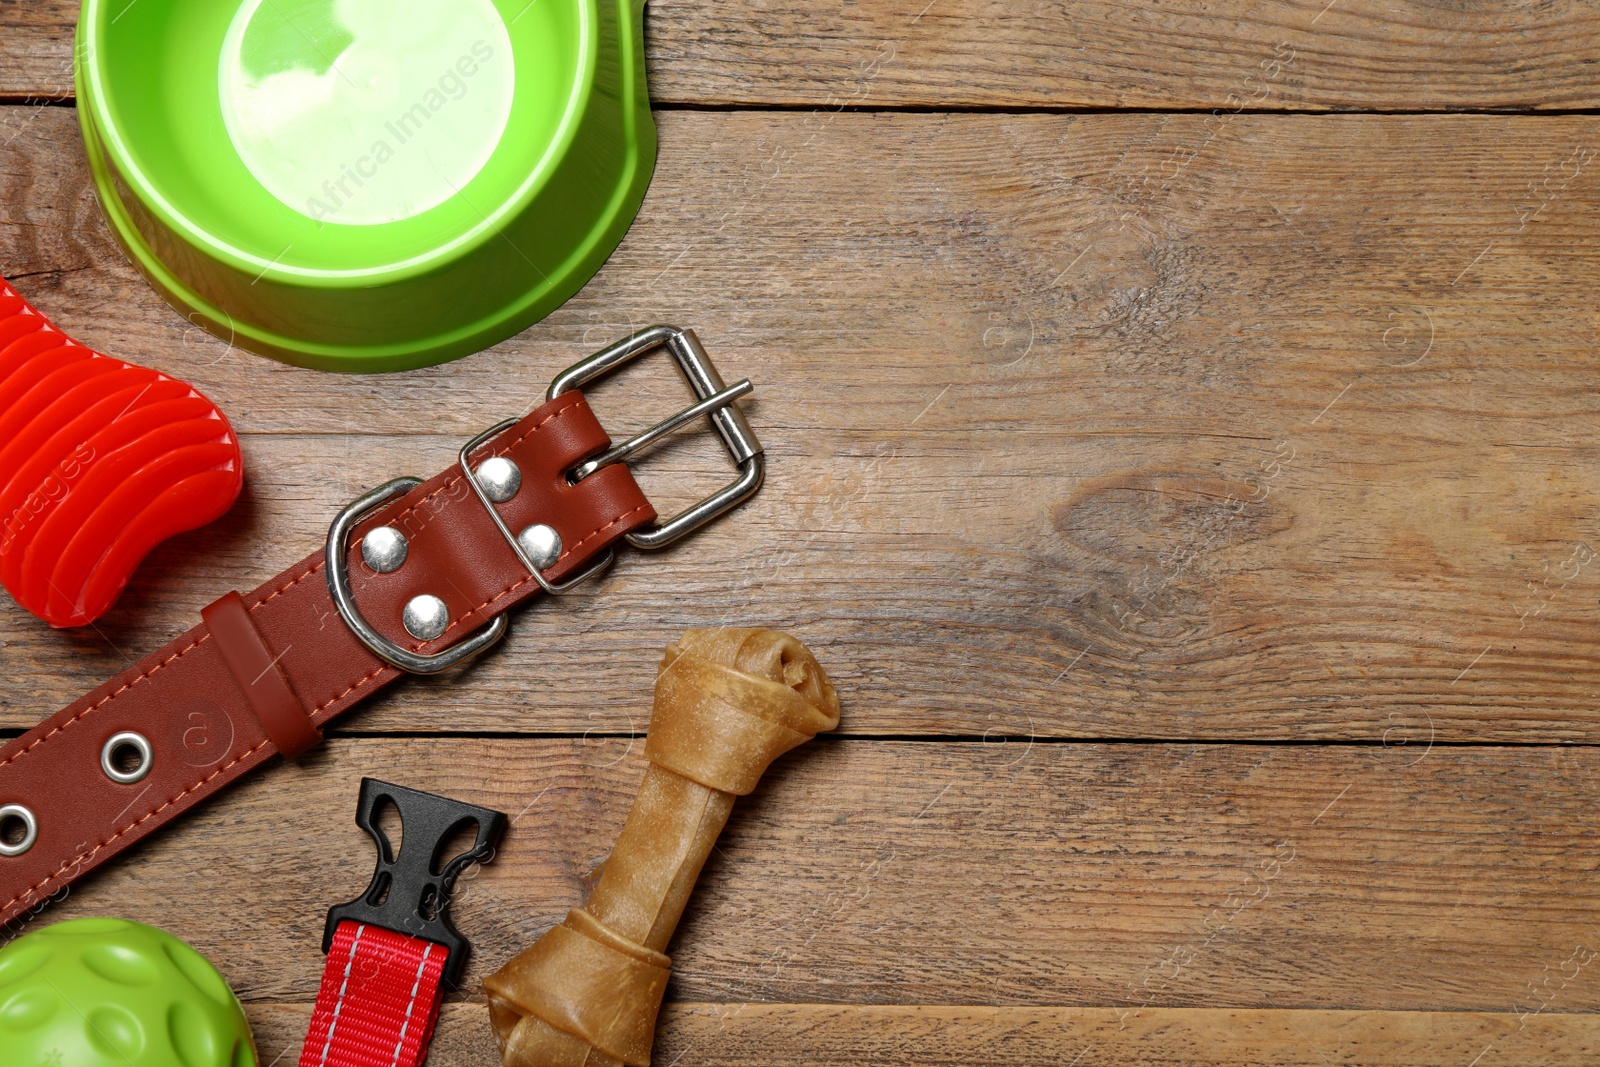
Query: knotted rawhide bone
point(728, 702)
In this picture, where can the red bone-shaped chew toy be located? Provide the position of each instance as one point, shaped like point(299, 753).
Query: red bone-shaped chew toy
point(100, 461)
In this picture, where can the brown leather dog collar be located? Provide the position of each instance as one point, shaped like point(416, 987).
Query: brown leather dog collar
point(263, 672)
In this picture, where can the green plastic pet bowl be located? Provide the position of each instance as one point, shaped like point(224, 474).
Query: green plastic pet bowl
point(366, 185)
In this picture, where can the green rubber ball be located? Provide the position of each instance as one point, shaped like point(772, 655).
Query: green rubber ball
point(113, 993)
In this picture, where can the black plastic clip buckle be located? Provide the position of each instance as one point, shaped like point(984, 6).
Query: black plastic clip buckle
point(410, 893)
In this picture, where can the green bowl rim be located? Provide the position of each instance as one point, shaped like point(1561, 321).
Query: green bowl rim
point(364, 358)
point(92, 94)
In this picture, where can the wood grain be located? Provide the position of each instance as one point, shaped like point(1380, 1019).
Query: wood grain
point(778, 1035)
point(1302, 54)
point(1238, 425)
point(1134, 426)
point(903, 873)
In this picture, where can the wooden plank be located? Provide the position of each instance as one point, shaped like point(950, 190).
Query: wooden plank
point(1094, 876)
point(36, 41)
point(1079, 426)
point(803, 1035)
point(1012, 53)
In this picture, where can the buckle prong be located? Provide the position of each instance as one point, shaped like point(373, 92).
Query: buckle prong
point(716, 400)
point(661, 429)
point(702, 375)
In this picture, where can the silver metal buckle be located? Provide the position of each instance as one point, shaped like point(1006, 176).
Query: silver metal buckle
point(716, 400)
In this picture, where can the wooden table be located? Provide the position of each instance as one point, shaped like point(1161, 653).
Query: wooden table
point(1182, 423)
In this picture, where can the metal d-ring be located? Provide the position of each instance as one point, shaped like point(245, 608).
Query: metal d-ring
point(344, 599)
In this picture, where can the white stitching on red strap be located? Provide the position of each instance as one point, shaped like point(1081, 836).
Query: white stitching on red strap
point(344, 985)
point(416, 984)
point(365, 1012)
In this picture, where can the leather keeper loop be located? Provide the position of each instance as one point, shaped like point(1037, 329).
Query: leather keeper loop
point(254, 668)
point(203, 698)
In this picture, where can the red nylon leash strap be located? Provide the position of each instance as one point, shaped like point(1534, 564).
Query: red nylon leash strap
point(378, 1001)
point(279, 663)
point(392, 949)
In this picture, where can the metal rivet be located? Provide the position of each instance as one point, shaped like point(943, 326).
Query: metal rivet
point(426, 617)
point(30, 829)
point(384, 549)
point(541, 543)
point(499, 477)
point(127, 739)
